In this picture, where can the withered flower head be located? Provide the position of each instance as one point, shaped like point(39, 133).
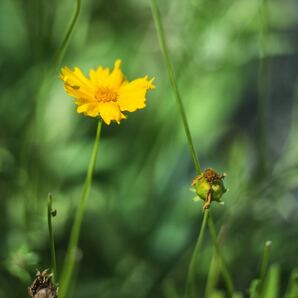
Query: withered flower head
point(42, 286)
point(209, 186)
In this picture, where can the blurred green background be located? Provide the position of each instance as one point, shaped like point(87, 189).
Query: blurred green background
point(141, 224)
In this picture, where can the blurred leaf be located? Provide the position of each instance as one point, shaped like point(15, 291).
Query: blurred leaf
point(253, 289)
point(271, 288)
point(21, 262)
point(217, 294)
point(292, 290)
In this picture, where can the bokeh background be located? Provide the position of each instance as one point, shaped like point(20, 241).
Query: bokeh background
point(236, 63)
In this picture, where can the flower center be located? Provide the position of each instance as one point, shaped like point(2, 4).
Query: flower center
point(105, 94)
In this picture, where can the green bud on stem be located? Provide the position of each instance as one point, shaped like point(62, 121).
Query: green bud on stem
point(209, 187)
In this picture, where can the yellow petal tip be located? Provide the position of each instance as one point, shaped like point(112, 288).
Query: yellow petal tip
point(150, 84)
point(118, 63)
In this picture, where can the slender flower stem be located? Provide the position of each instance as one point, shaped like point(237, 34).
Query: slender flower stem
point(60, 53)
point(224, 269)
point(75, 232)
point(171, 73)
point(192, 269)
point(265, 259)
point(264, 266)
point(32, 126)
point(172, 77)
point(45, 82)
point(55, 64)
point(213, 275)
point(214, 270)
point(52, 213)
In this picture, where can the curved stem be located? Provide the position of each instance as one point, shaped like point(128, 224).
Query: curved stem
point(75, 232)
point(59, 55)
point(172, 77)
point(51, 236)
point(224, 269)
point(192, 269)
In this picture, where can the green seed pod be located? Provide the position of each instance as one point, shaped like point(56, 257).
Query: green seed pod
point(209, 186)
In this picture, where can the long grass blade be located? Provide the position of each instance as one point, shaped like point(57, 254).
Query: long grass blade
point(271, 287)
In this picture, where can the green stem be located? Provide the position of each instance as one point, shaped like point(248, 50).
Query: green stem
point(45, 84)
point(52, 213)
point(224, 269)
point(172, 77)
point(264, 266)
point(213, 275)
point(265, 259)
point(75, 232)
point(60, 53)
point(47, 76)
point(192, 269)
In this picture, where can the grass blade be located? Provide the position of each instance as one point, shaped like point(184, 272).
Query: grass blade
point(271, 288)
point(292, 290)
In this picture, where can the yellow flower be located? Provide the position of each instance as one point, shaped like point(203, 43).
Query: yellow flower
point(105, 94)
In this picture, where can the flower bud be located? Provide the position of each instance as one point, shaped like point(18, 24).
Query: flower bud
point(209, 186)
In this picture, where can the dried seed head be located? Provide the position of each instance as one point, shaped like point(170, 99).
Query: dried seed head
point(42, 286)
point(209, 186)
point(46, 293)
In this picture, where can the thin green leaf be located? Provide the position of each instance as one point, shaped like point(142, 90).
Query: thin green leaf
point(253, 289)
point(271, 289)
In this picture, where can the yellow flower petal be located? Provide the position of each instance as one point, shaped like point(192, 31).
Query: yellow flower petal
point(132, 96)
point(110, 111)
point(81, 101)
point(89, 109)
point(76, 84)
point(99, 77)
point(116, 77)
point(93, 110)
point(83, 108)
point(103, 78)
